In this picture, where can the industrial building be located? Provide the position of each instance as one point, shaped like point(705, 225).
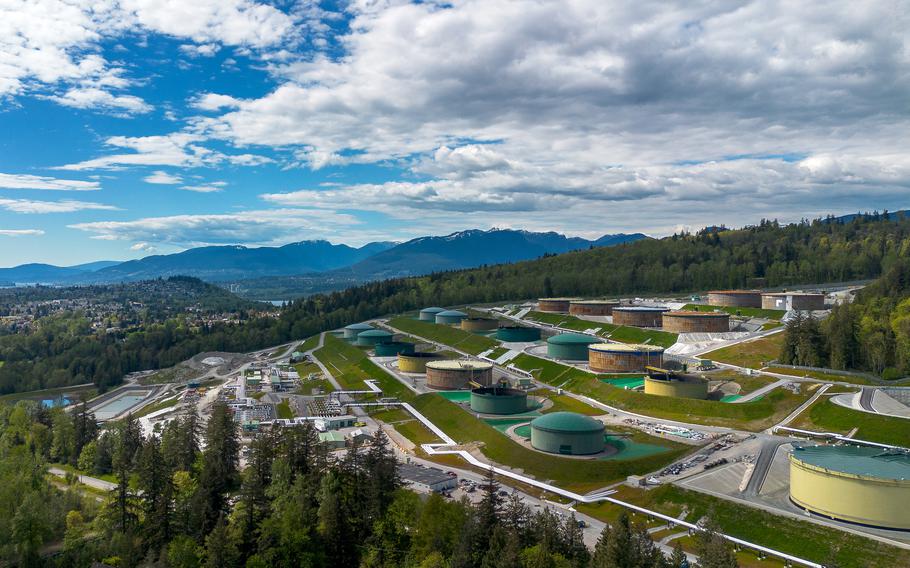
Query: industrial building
point(426, 478)
point(333, 440)
point(458, 374)
point(793, 301)
point(567, 433)
point(518, 334)
point(685, 321)
point(499, 400)
point(623, 358)
point(735, 298)
point(416, 362)
point(450, 317)
point(351, 331)
point(372, 337)
point(863, 485)
point(393, 348)
point(479, 324)
point(557, 305)
point(429, 314)
point(660, 382)
point(592, 307)
point(638, 316)
point(570, 346)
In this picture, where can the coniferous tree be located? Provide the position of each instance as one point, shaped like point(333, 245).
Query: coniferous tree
point(713, 550)
point(219, 473)
point(156, 485)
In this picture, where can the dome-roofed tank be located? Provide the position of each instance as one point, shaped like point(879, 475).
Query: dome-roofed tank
point(499, 400)
point(393, 348)
point(518, 334)
point(567, 433)
point(429, 314)
point(570, 346)
point(450, 317)
point(351, 331)
point(372, 337)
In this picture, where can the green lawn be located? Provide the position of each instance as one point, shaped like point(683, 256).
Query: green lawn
point(565, 403)
point(821, 376)
point(753, 354)
point(745, 312)
point(451, 336)
point(825, 416)
point(416, 432)
point(161, 405)
point(355, 366)
point(577, 474)
point(284, 409)
point(622, 333)
point(816, 542)
point(497, 353)
point(309, 343)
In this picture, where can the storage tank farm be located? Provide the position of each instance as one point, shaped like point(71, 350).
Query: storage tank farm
point(416, 362)
point(429, 314)
point(393, 348)
point(372, 337)
point(518, 334)
point(857, 484)
point(450, 317)
point(570, 346)
point(592, 307)
point(555, 305)
point(735, 298)
point(638, 316)
point(458, 374)
point(499, 400)
point(623, 357)
point(567, 433)
point(351, 331)
point(660, 382)
point(685, 321)
point(479, 324)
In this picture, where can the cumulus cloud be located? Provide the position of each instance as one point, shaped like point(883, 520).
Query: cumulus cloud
point(143, 247)
point(95, 98)
point(162, 178)
point(214, 101)
point(20, 232)
point(212, 187)
point(250, 227)
point(65, 206)
point(26, 181)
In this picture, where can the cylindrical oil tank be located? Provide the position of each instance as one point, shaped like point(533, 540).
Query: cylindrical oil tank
point(479, 324)
point(567, 433)
point(429, 314)
point(393, 348)
point(499, 400)
point(558, 305)
point(686, 321)
point(735, 298)
point(863, 485)
point(593, 307)
point(623, 358)
point(351, 331)
point(518, 334)
point(372, 337)
point(677, 386)
point(793, 301)
point(638, 316)
point(450, 317)
point(416, 362)
point(458, 374)
point(570, 346)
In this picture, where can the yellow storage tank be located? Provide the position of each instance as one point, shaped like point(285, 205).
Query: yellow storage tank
point(677, 385)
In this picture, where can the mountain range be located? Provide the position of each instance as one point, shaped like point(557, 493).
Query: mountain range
point(464, 249)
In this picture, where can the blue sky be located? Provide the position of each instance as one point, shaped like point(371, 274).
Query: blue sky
point(135, 127)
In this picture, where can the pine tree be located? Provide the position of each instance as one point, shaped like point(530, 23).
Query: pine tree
point(220, 551)
point(678, 559)
point(157, 488)
point(713, 550)
point(219, 473)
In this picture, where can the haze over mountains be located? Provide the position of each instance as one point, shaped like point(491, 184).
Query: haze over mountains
point(463, 249)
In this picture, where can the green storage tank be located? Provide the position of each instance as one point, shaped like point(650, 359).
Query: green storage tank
point(450, 317)
point(351, 331)
point(518, 334)
point(429, 314)
point(567, 433)
point(394, 348)
point(372, 337)
point(499, 400)
point(570, 346)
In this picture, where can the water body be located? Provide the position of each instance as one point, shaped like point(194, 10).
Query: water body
point(626, 383)
point(119, 405)
point(55, 402)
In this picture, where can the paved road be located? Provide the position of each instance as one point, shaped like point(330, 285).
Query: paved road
point(801, 408)
point(763, 464)
point(762, 391)
point(865, 399)
point(85, 480)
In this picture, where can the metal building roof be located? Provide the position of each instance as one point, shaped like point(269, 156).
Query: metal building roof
point(567, 422)
point(572, 339)
point(858, 460)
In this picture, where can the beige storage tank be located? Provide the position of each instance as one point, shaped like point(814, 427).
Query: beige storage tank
point(452, 375)
point(660, 382)
point(479, 324)
point(416, 362)
point(623, 358)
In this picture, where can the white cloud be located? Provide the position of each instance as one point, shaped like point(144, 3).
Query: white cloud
point(65, 206)
point(162, 178)
point(276, 226)
point(25, 181)
point(95, 98)
point(144, 247)
point(212, 187)
point(20, 232)
point(214, 101)
point(203, 50)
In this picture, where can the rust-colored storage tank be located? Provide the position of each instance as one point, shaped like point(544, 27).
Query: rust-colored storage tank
point(479, 324)
point(592, 307)
point(623, 358)
point(793, 301)
point(735, 298)
point(638, 316)
point(452, 375)
point(557, 305)
point(696, 322)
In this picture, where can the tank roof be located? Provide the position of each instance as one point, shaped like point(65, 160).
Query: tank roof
point(481, 318)
point(451, 313)
point(749, 292)
point(792, 294)
point(455, 364)
point(640, 309)
point(567, 422)
point(432, 310)
point(594, 302)
point(375, 333)
point(557, 299)
point(421, 355)
point(858, 460)
point(359, 326)
point(626, 348)
point(697, 314)
point(572, 339)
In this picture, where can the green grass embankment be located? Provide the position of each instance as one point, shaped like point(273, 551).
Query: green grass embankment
point(451, 336)
point(825, 416)
point(744, 312)
point(621, 333)
point(753, 354)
